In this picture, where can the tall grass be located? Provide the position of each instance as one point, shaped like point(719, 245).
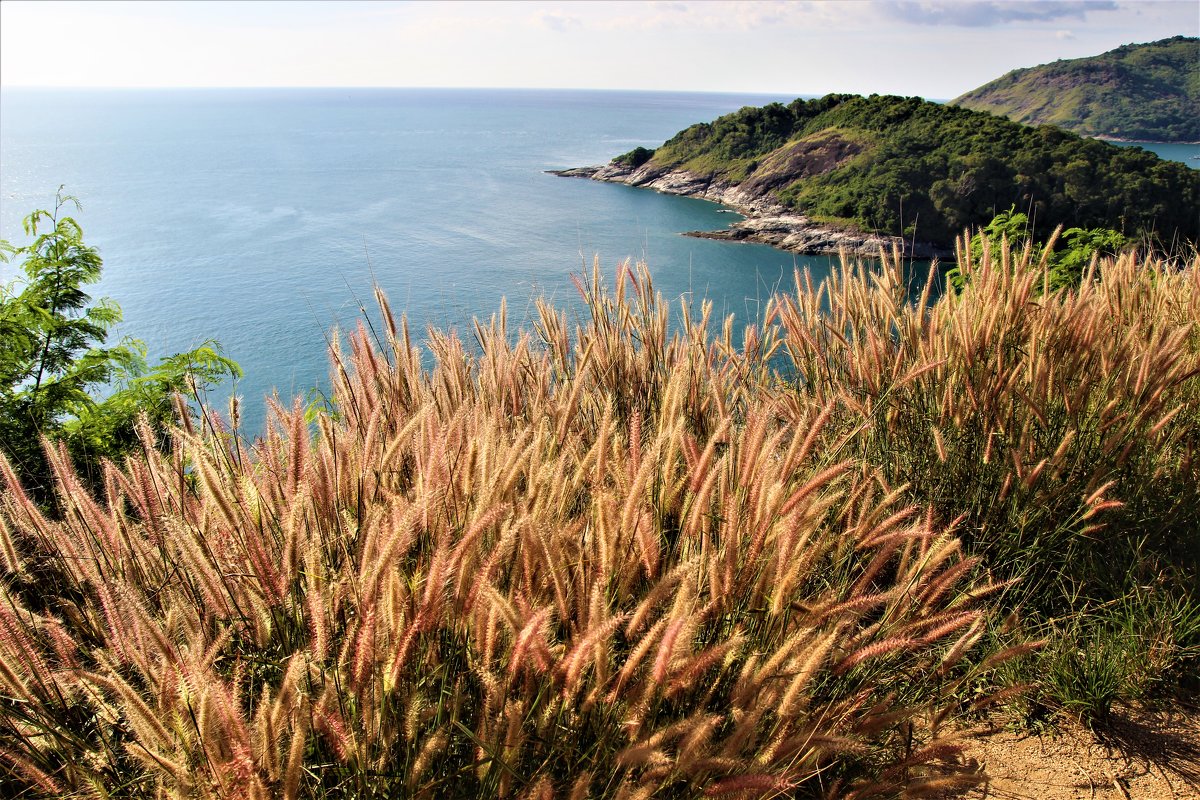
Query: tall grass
point(606, 557)
point(1060, 429)
point(602, 562)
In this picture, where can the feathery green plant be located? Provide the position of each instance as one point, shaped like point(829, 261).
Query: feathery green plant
point(55, 358)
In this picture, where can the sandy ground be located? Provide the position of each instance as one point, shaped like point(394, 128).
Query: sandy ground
point(1141, 754)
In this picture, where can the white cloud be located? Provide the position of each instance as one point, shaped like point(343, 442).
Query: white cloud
point(989, 13)
point(556, 21)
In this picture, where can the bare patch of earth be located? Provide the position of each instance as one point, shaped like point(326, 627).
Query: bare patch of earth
point(1139, 754)
point(801, 159)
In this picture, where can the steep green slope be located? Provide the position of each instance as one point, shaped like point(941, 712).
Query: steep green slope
point(1147, 92)
point(906, 166)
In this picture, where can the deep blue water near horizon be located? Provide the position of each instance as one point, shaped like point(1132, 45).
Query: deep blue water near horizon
point(261, 218)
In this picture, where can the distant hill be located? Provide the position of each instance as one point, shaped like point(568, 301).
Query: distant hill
point(1146, 92)
point(907, 167)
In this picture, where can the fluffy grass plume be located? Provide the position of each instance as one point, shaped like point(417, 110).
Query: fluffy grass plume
point(602, 559)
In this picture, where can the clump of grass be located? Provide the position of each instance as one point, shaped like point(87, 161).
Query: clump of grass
point(1125, 650)
point(603, 562)
point(1060, 429)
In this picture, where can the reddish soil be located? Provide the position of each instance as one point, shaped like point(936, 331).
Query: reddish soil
point(1140, 754)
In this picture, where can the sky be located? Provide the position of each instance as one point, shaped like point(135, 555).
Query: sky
point(933, 49)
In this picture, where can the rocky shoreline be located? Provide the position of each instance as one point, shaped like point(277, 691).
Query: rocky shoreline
point(1103, 137)
point(766, 220)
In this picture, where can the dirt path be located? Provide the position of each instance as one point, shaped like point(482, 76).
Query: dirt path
point(1140, 755)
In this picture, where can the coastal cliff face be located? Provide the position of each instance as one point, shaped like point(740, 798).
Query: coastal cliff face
point(767, 221)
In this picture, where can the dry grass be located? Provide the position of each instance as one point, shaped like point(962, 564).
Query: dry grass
point(1060, 429)
point(615, 559)
point(1051, 422)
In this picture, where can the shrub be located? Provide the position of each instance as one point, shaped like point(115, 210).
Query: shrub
point(635, 157)
point(56, 361)
point(1059, 428)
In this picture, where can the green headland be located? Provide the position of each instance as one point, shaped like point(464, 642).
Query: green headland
point(908, 170)
point(1139, 92)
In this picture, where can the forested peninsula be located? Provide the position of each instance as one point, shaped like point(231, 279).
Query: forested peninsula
point(1140, 92)
point(845, 172)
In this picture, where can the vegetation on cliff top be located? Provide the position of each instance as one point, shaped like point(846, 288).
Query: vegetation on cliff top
point(909, 167)
point(1139, 91)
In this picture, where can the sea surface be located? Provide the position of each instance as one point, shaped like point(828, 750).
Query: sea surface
point(262, 218)
point(1187, 152)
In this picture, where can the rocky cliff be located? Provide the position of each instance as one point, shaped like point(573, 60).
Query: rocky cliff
point(767, 221)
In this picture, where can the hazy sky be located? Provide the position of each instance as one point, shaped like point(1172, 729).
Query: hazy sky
point(935, 49)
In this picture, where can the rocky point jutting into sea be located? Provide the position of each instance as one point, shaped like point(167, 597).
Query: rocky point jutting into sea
point(767, 221)
point(860, 174)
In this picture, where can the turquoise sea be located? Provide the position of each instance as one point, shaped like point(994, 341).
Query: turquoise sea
point(261, 218)
point(1188, 152)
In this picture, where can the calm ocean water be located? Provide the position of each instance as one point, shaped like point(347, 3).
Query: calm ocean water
point(262, 217)
point(1187, 153)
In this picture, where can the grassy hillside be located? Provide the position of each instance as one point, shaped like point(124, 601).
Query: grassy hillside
point(613, 558)
point(906, 166)
point(1145, 92)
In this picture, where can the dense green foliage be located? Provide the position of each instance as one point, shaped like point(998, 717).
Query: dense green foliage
point(906, 166)
point(635, 157)
point(1138, 91)
point(55, 360)
point(1068, 257)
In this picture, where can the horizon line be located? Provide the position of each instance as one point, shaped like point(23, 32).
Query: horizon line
point(762, 92)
